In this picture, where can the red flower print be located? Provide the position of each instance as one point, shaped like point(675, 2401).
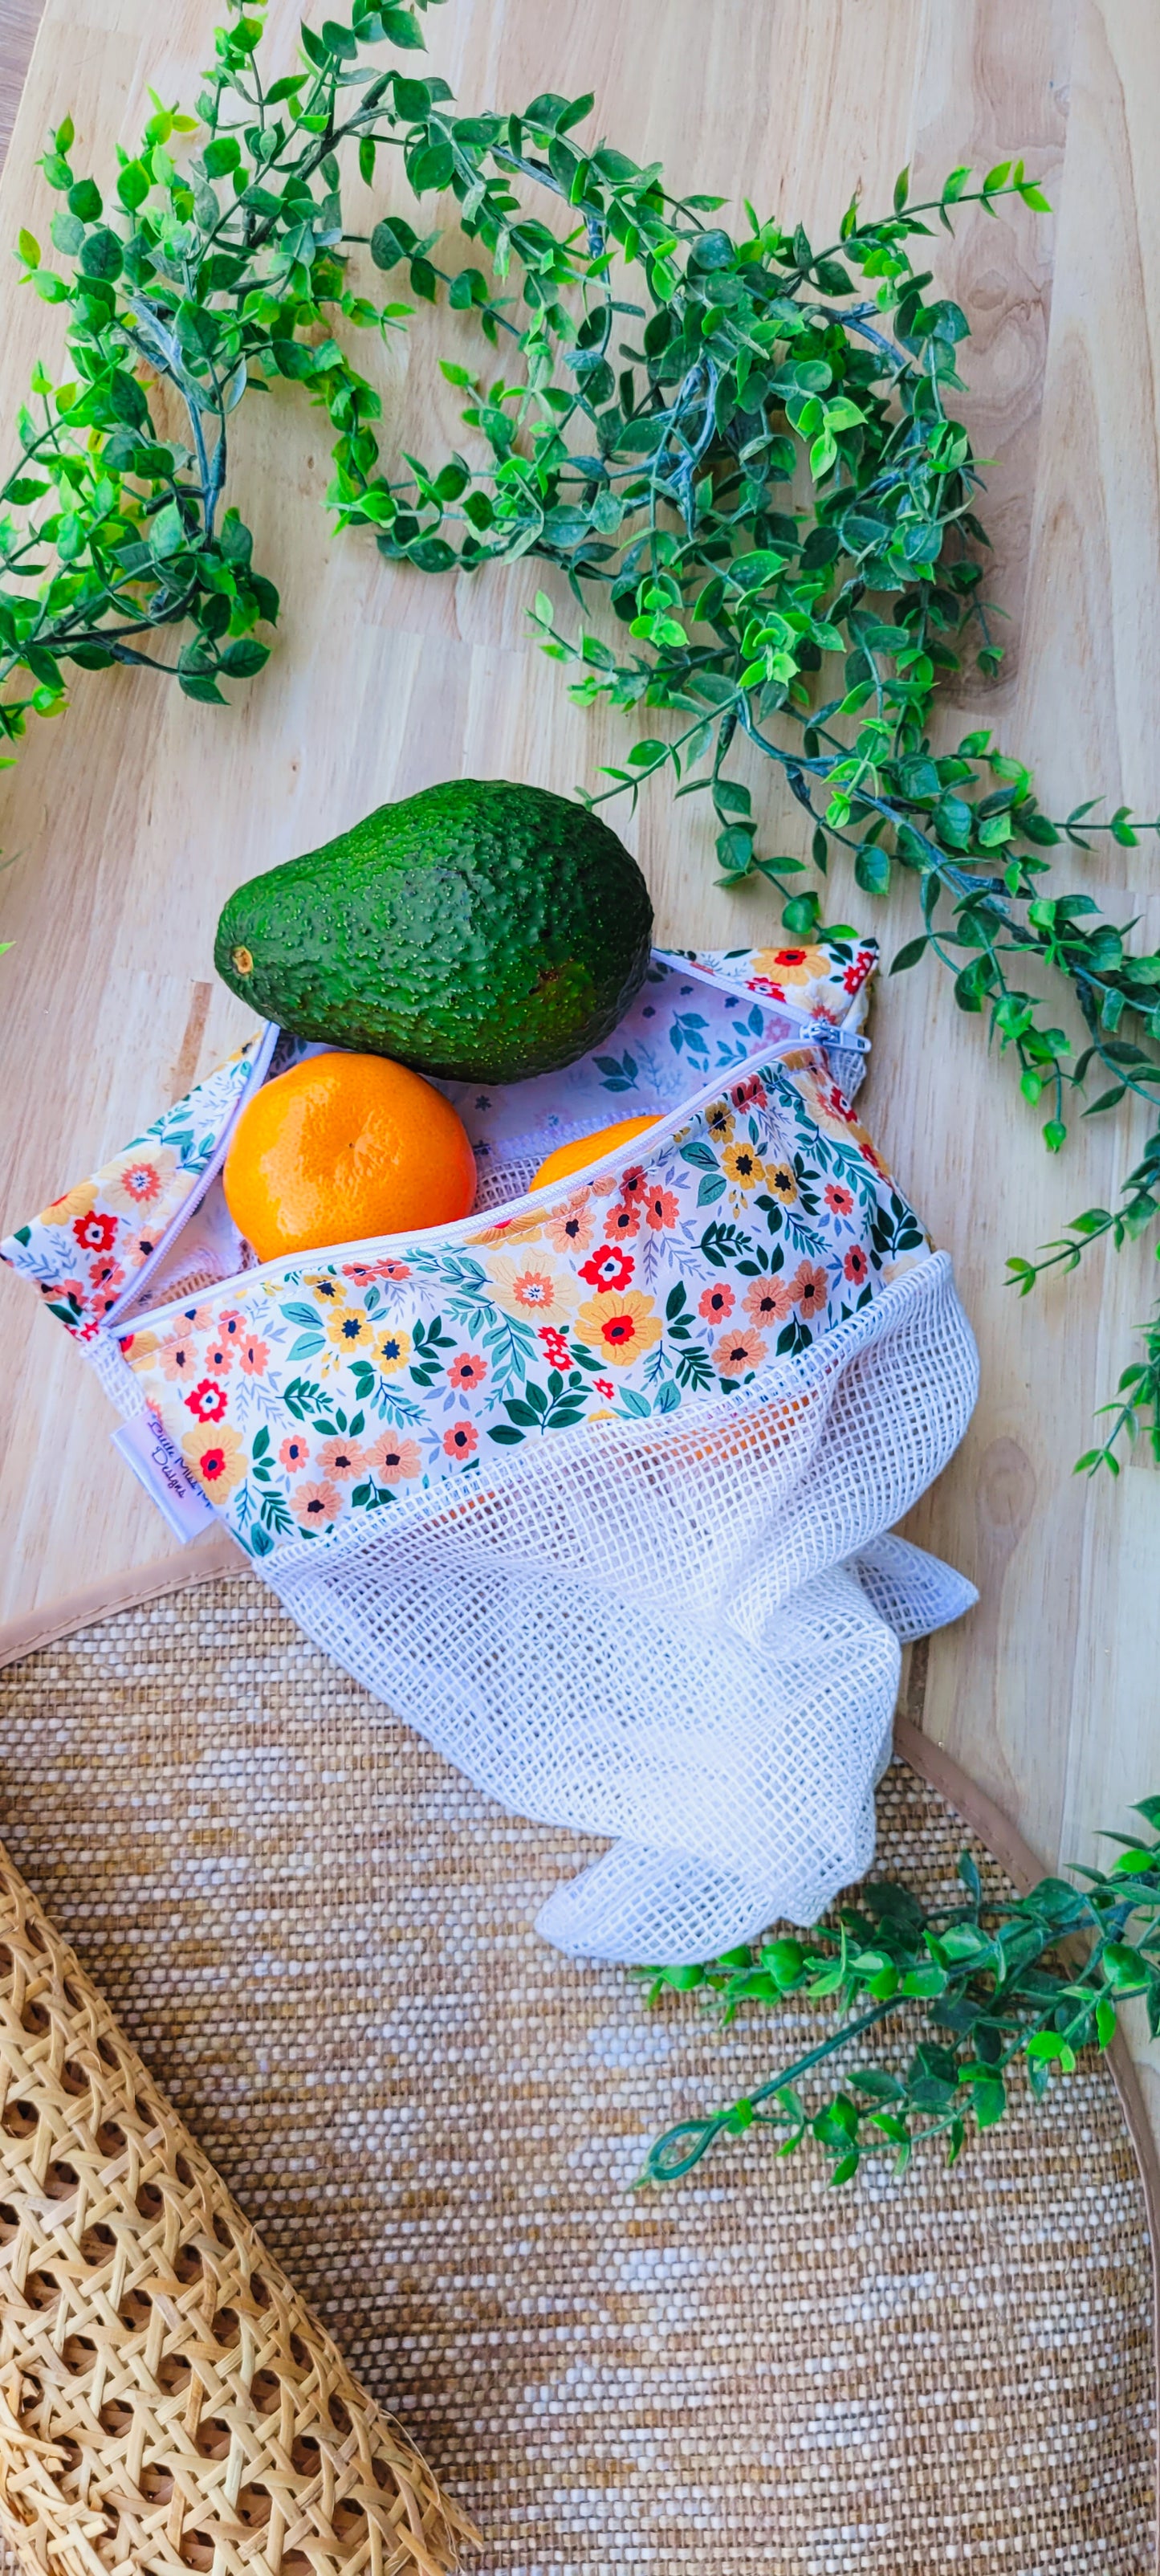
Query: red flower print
point(768, 1301)
point(835, 1101)
point(462, 1440)
point(735, 1353)
point(869, 1156)
point(362, 1272)
point(219, 1357)
point(254, 1356)
point(715, 1304)
point(789, 956)
point(392, 1270)
point(662, 1210)
point(608, 1268)
point(140, 1182)
point(213, 1464)
point(622, 1220)
point(207, 1400)
point(314, 1505)
point(857, 971)
point(604, 1387)
point(95, 1233)
point(231, 1326)
point(855, 1265)
point(809, 1288)
point(752, 1092)
point(294, 1454)
point(838, 1199)
point(633, 1183)
point(763, 984)
point(467, 1370)
point(341, 1458)
point(556, 1351)
point(106, 1274)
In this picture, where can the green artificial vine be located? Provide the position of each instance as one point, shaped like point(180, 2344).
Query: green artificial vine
point(1034, 1982)
point(193, 284)
point(751, 458)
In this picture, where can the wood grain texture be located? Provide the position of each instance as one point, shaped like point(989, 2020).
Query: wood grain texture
point(130, 822)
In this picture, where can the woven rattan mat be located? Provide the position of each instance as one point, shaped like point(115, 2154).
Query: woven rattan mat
point(320, 1938)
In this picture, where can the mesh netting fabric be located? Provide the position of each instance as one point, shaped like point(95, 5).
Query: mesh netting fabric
point(687, 1638)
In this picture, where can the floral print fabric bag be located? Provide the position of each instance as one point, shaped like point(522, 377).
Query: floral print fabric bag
point(596, 1486)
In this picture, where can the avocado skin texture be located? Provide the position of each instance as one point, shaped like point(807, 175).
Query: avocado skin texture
point(480, 930)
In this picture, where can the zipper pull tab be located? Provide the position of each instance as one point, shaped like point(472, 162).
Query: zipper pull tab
point(824, 1033)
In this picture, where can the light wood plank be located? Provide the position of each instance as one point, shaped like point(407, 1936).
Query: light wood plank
point(133, 819)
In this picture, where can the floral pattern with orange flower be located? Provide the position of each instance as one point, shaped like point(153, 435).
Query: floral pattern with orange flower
point(572, 1227)
point(468, 1369)
point(768, 1301)
point(810, 1288)
point(341, 1460)
point(502, 1332)
point(316, 1506)
point(738, 1353)
point(393, 1460)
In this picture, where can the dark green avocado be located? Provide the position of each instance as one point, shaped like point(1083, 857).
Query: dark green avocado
point(480, 930)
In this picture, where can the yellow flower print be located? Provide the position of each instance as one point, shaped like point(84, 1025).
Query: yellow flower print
point(216, 1454)
point(329, 1290)
point(534, 1288)
point(349, 1328)
point(76, 1202)
point(791, 966)
point(742, 1164)
point(719, 1121)
point(390, 1349)
point(781, 1181)
point(620, 1324)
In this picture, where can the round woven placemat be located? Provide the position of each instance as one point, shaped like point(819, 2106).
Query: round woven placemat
point(320, 1938)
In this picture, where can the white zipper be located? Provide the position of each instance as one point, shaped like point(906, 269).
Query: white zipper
point(810, 1033)
point(263, 1051)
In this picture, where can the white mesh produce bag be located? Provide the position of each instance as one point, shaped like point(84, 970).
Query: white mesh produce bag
point(596, 1486)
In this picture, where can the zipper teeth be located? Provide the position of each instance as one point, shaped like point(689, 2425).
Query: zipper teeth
point(330, 1255)
point(263, 1051)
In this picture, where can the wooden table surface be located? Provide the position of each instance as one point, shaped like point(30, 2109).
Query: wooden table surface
point(128, 822)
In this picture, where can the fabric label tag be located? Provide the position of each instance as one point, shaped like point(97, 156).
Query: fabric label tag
point(147, 1448)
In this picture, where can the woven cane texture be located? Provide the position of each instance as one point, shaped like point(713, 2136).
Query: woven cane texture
point(320, 1937)
point(165, 2397)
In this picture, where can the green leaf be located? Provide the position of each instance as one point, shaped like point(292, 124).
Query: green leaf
point(901, 189)
point(101, 255)
point(801, 915)
point(872, 873)
point(29, 248)
point(167, 532)
point(84, 199)
point(221, 155)
point(909, 955)
point(996, 178)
